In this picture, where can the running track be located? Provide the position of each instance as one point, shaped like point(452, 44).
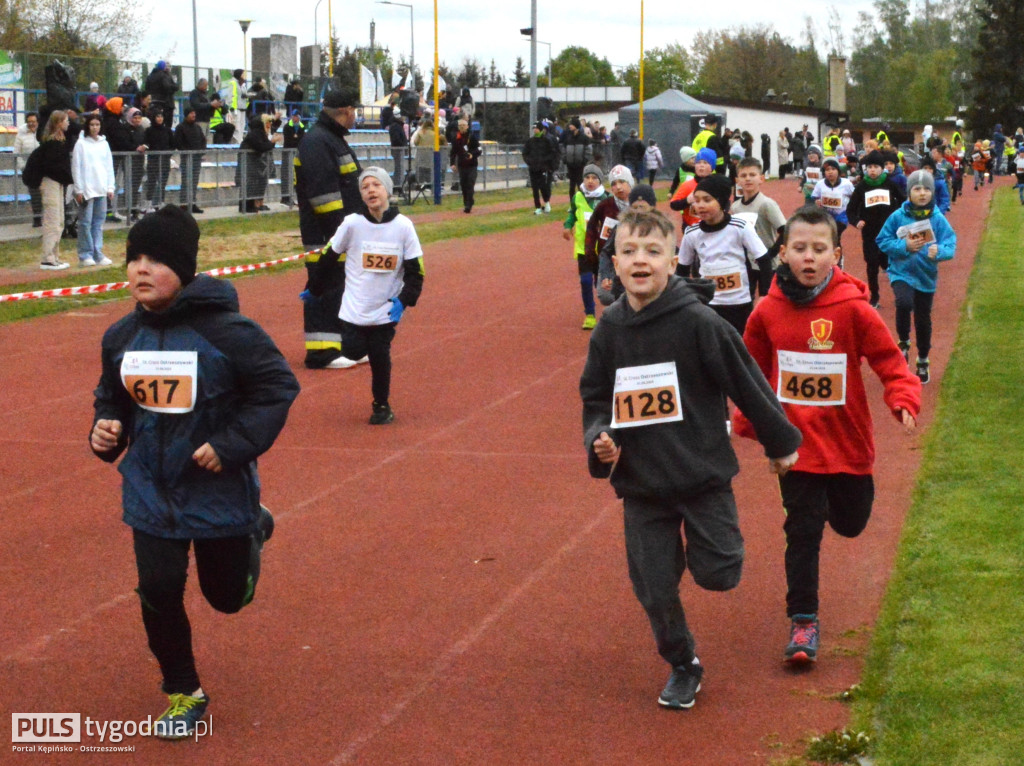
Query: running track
point(451, 589)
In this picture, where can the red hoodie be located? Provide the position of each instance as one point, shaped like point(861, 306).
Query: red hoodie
point(811, 355)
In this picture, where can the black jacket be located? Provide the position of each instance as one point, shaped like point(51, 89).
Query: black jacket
point(189, 136)
point(694, 455)
point(57, 161)
point(292, 134)
point(396, 132)
point(874, 217)
point(465, 151)
point(242, 397)
point(159, 138)
point(162, 86)
point(540, 154)
point(117, 131)
point(200, 101)
point(632, 150)
point(578, 151)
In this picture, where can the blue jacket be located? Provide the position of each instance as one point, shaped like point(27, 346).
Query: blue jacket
point(942, 194)
point(915, 269)
point(243, 392)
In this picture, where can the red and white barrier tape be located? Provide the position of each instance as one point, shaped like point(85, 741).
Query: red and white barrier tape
point(63, 292)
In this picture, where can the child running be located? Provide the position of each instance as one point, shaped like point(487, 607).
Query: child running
point(873, 200)
point(581, 207)
point(720, 248)
point(809, 336)
point(383, 277)
point(811, 173)
point(609, 288)
point(605, 217)
point(916, 238)
point(194, 392)
point(658, 369)
point(682, 198)
point(764, 215)
point(832, 193)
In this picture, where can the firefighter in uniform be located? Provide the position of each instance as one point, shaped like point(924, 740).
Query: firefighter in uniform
point(327, 190)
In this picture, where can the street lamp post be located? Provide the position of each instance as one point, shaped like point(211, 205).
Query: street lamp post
point(412, 41)
point(531, 32)
point(244, 24)
point(541, 42)
point(316, 36)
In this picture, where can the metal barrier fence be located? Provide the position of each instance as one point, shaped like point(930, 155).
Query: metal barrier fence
point(219, 177)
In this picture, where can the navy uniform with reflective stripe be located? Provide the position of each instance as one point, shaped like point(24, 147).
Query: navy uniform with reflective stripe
point(327, 189)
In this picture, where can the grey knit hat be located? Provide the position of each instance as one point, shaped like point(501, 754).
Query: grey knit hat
point(381, 175)
point(921, 178)
point(593, 170)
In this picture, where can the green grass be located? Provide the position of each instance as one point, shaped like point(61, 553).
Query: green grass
point(944, 682)
point(238, 232)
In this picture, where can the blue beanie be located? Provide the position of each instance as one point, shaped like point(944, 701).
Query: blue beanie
point(706, 155)
point(161, 65)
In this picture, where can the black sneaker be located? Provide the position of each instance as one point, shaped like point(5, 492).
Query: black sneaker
point(197, 210)
point(803, 639)
point(382, 415)
point(180, 719)
point(681, 690)
point(905, 350)
point(922, 370)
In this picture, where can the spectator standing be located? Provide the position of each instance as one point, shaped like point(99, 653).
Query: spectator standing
point(998, 145)
point(25, 143)
point(221, 129)
point(162, 86)
point(234, 100)
point(653, 161)
point(158, 151)
point(577, 152)
point(766, 155)
point(466, 107)
point(399, 148)
point(92, 104)
point(191, 142)
point(261, 100)
point(56, 158)
point(252, 173)
point(118, 135)
point(293, 131)
point(615, 140)
point(541, 158)
point(294, 95)
point(135, 167)
point(633, 154)
point(423, 140)
point(199, 100)
point(464, 160)
point(798, 148)
point(92, 168)
point(128, 88)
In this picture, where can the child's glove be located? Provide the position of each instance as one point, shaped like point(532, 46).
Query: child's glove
point(395, 314)
point(305, 296)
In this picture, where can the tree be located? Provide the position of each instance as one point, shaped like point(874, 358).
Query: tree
point(578, 67)
point(745, 62)
point(471, 74)
point(494, 78)
point(996, 87)
point(903, 64)
point(664, 68)
point(83, 27)
point(520, 77)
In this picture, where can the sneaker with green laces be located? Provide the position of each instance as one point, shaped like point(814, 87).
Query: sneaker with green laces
point(180, 719)
point(589, 322)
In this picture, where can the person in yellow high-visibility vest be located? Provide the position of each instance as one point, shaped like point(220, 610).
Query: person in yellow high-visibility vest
point(708, 139)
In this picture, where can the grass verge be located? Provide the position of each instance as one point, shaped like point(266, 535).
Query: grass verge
point(944, 681)
point(231, 241)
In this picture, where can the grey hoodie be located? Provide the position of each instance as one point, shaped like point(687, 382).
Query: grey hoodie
point(691, 456)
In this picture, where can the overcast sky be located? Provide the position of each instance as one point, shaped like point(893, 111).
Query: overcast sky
point(479, 29)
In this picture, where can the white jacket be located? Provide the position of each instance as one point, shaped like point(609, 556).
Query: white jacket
point(92, 167)
point(24, 144)
point(653, 159)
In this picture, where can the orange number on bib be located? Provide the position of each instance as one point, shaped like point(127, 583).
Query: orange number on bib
point(157, 392)
point(813, 388)
point(725, 282)
point(376, 262)
point(650, 404)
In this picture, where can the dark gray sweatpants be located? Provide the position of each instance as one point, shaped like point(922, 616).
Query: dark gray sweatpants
point(658, 556)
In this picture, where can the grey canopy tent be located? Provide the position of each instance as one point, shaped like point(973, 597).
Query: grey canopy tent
point(672, 119)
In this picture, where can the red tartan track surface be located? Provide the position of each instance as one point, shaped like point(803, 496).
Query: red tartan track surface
point(450, 589)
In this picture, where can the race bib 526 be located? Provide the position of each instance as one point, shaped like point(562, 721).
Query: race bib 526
point(381, 256)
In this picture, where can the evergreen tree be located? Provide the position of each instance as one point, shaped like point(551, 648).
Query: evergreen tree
point(996, 89)
point(520, 77)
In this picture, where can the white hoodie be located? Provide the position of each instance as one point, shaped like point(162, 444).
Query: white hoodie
point(92, 167)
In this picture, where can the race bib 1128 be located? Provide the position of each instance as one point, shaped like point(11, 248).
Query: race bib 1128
point(646, 395)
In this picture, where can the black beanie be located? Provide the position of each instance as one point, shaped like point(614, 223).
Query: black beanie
point(644, 192)
point(170, 236)
point(719, 187)
point(874, 157)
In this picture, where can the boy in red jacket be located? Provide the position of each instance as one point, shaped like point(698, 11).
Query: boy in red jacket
point(808, 335)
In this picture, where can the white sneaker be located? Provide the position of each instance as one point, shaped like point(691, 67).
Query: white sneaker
point(104, 261)
point(83, 262)
point(547, 207)
point(54, 266)
point(343, 363)
point(538, 211)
